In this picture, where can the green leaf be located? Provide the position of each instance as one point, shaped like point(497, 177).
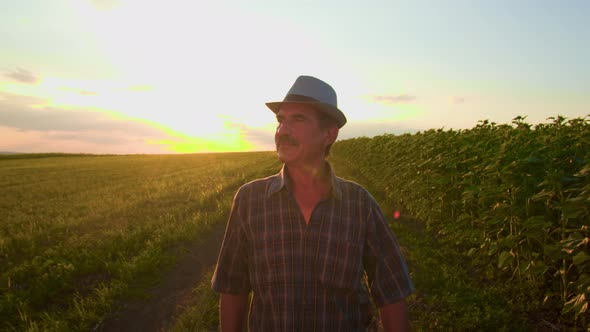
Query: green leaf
point(493, 249)
point(580, 258)
point(583, 282)
point(536, 222)
point(566, 180)
point(552, 251)
point(495, 221)
point(537, 268)
point(534, 160)
point(507, 242)
point(464, 217)
point(542, 195)
point(571, 211)
point(504, 259)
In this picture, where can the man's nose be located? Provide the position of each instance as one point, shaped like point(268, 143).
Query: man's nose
point(284, 127)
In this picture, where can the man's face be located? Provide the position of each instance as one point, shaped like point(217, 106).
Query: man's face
point(299, 137)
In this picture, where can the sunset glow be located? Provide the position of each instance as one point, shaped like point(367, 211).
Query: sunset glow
point(130, 76)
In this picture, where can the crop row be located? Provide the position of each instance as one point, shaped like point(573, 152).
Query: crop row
point(515, 198)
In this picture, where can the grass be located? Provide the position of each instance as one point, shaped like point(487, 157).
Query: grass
point(201, 314)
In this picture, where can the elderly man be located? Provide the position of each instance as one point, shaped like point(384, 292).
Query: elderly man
point(312, 248)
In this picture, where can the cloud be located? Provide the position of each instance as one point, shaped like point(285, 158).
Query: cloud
point(139, 88)
point(26, 128)
point(260, 139)
point(104, 4)
point(8, 100)
point(23, 76)
point(393, 99)
point(88, 141)
point(459, 100)
point(80, 91)
point(18, 112)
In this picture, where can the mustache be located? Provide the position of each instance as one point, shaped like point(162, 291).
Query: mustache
point(287, 140)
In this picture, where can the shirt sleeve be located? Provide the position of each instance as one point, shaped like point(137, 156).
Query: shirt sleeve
point(387, 272)
point(231, 273)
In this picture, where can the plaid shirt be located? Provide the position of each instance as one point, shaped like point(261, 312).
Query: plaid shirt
point(315, 276)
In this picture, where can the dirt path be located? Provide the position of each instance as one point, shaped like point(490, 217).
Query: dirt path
point(156, 311)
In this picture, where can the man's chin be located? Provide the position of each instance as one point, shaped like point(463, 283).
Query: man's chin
point(284, 156)
point(281, 156)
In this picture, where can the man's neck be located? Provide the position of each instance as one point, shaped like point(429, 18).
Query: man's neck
point(309, 177)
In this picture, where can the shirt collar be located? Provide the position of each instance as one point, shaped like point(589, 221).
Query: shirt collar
point(280, 181)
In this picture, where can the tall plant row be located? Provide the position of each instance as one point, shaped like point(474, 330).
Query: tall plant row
point(516, 198)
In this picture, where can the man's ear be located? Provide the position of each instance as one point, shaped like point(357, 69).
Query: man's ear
point(331, 134)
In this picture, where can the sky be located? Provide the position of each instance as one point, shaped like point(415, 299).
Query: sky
point(185, 76)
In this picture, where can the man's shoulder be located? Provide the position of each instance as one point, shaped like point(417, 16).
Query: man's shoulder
point(258, 185)
point(351, 188)
point(349, 184)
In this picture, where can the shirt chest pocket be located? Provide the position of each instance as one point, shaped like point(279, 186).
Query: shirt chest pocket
point(341, 267)
point(272, 258)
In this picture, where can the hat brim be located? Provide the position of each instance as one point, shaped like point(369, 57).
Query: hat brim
point(327, 109)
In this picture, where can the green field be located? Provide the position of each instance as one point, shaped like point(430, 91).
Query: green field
point(494, 223)
point(79, 234)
